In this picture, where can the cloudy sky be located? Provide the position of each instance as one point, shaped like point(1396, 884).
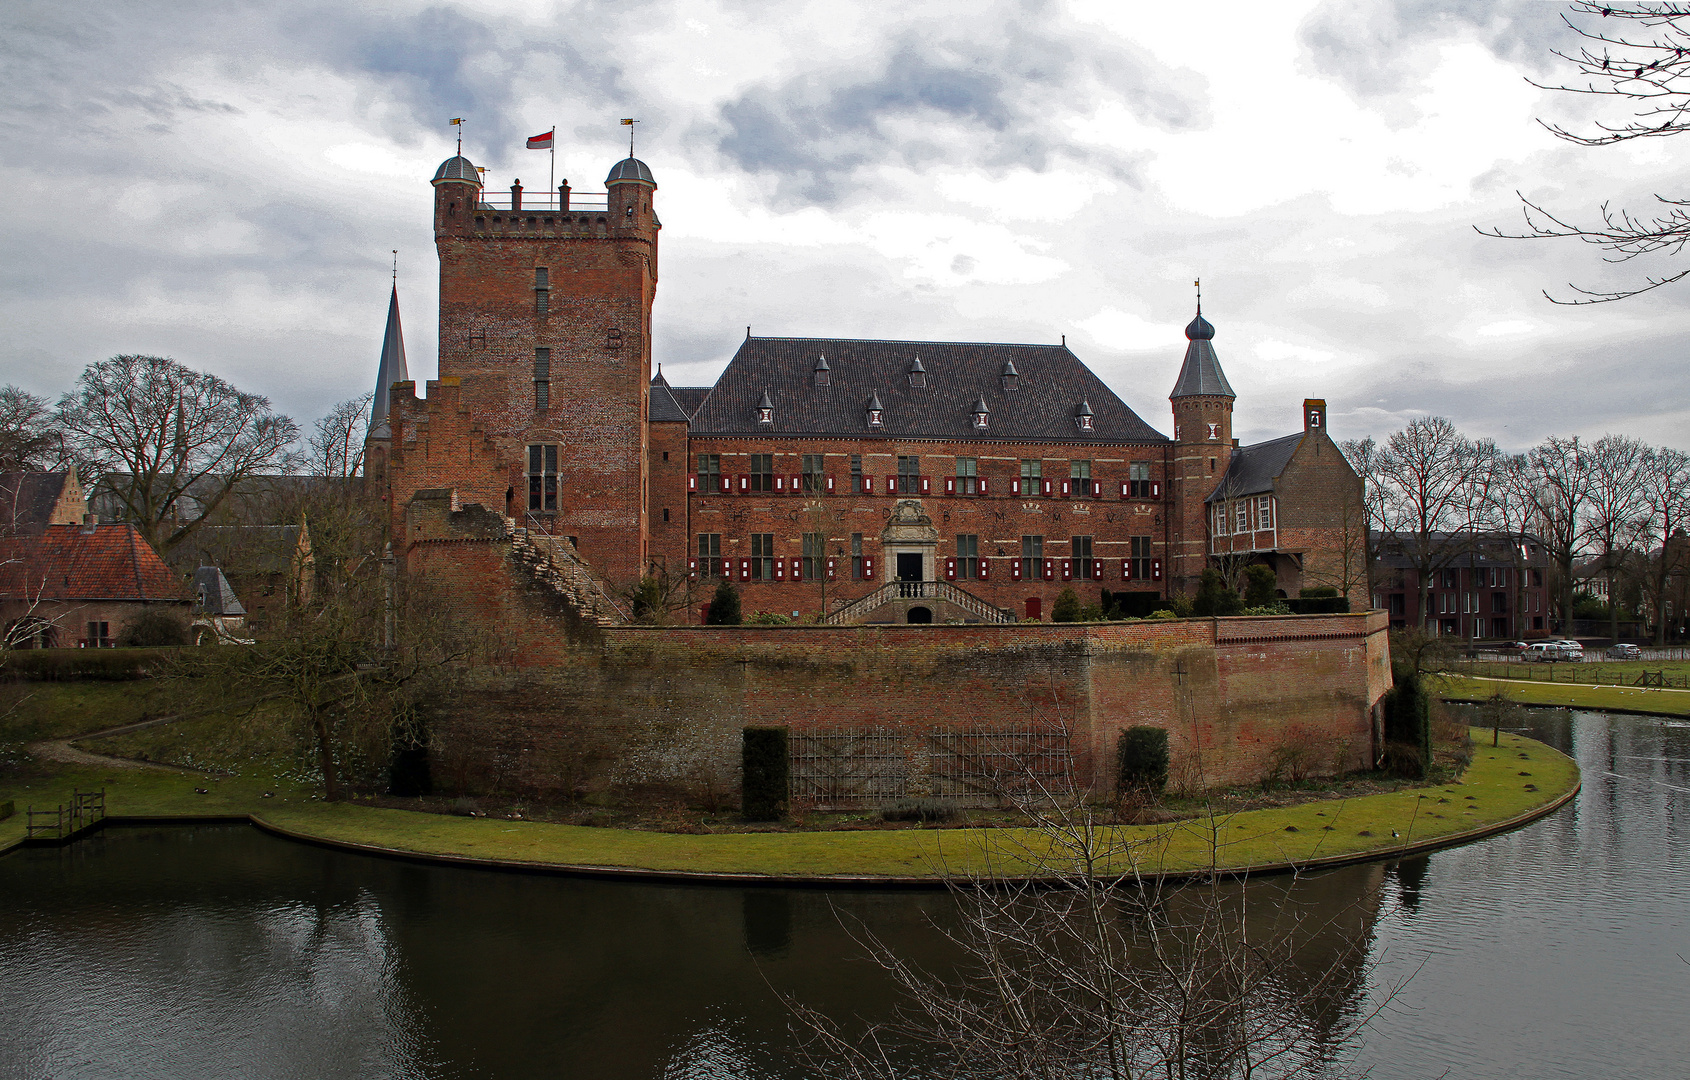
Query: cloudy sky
point(222, 182)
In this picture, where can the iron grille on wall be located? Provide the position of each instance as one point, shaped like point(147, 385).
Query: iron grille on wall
point(848, 766)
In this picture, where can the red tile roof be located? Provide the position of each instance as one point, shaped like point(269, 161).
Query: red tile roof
point(86, 562)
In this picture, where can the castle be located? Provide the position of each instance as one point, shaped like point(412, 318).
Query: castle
point(837, 480)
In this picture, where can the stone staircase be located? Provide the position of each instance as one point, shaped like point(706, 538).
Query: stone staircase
point(553, 563)
point(901, 592)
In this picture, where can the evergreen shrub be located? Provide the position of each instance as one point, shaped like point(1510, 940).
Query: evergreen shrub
point(67, 665)
point(766, 785)
point(1214, 597)
point(154, 628)
point(1408, 727)
point(724, 606)
point(1066, 608)
point(1141, 756)
point(1261, 586)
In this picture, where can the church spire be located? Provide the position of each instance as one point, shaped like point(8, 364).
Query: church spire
point(392, 367)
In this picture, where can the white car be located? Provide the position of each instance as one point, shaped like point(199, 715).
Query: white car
point(1545, 651)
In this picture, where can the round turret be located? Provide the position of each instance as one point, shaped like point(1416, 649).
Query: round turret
point(458, 168)
point(630, 170)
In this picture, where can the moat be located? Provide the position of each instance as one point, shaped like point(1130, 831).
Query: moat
point(1552, 951)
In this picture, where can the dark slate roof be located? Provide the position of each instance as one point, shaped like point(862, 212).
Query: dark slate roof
point(216, 597)
point(663, 408)
point(86, 562)
point(1475, 549)
point(1052, 385)
point(630, 168)
point(1201, 374)
point(27, 500)
point(457, 168)
point(1254, 468)
point(390, 370)
point(690, 397)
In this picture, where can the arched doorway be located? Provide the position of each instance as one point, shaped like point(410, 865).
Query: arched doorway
point(919, 615)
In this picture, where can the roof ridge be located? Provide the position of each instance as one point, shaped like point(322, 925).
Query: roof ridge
point(909, 341)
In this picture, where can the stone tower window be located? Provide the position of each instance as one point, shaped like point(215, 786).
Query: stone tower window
point(542, 478)
point(542, 379)
point(542, 292)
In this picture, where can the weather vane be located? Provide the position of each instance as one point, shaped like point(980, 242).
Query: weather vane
point(629, 122)
point(1198, 285)
point(395, 268)
point(458, 122)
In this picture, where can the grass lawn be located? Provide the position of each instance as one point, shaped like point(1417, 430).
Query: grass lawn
point(1571, 695)
point(1499, 786)
point(1601, 672)
point(53, 710)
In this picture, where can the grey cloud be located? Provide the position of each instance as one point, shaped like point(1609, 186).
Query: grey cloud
point(994, 100)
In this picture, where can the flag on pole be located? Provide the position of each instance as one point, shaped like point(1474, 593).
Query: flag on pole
point(542, 141)
point(457, 121)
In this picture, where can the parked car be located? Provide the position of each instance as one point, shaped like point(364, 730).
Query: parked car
point(1572, 649)
point(1544, 651)
point(1623, 651)
point(1517, 648)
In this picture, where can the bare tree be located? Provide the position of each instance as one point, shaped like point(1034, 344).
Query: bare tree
point(335, 447)
point(28, 439)
point(170, 443)
point(1614, 509)
point(1078, 963)
point(1561, 487)
point(1637, 53)
point(1665, 494)
point(1426, 474)
point(1509, 511)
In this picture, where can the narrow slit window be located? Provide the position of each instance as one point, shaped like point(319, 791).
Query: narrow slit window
point(542, 292)
point(542, 478)
point(542, 379)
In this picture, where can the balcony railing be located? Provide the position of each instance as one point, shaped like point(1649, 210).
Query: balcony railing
point(543, 202)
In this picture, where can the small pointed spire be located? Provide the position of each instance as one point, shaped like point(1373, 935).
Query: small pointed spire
point(874, 401)
point(822, 364)
point(391, 369)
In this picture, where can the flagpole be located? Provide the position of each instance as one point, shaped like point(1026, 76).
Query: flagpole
point(551, 167)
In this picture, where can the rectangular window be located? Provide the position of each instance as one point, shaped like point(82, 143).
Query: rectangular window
point(542, 478)
point(99, 635)
point(812, 473)
point(1140, 566)
point(968, 556)
point(1452, 579)
point(710, 555)
point(762, 472)
point(1030, 471)
point(763, 555)
point(1138, 474)
point(1079, 470)
point(1221, 520)
point(856, 556)
point(815, 556)
point(1264, 512)
point(542, 379)
point(1081, 546)
point(909, 475)
point(857, 474)
point(1243, 514)
point(967, 476)
point(542, 292)
point(709, 472)
point(1033, 555)
point(1537, 577)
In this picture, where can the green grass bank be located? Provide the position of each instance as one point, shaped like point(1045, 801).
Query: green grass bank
point(1610, 698)
point(1504, 787)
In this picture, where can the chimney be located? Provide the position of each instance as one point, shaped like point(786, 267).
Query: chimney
point(1314, 414)
point(90, 519)
point(516, 195)
point(563, 196)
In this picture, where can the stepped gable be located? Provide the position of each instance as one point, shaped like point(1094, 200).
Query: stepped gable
point(1052, 385)
point(31, 501)
point(1254, 468)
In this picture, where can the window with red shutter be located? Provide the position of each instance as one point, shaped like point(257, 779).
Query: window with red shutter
point(1015, 569)
point(797, 485)
point(1097, 489)
point(868, 485)
point(1015, 485)
point(1048, 488)
point(1050, 569)
point(780, 485)
point(891, 485)
point(926, 485)
point(692, 483)
point(868, 568)
point(830, 484)
point(950, 569)
point(1067, 488)
point(1125, 487)
point(1126, 569)
point(780, 569)
point(830, 569)
point(745, 569)
point(985, 569)
point(1067, 570)
point(692, 569)
point(1097, 568)
point(744, 483)
point(1155, 569)
point(727, 484)
point(982, 485)
point(950, 485)
point(1155, 489)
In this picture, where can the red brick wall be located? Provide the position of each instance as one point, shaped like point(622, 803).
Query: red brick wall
point(1198, 465)
point(660, 708)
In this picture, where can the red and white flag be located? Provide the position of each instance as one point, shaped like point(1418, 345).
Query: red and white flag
point(540, 142)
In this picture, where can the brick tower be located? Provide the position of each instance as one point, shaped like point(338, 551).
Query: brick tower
point(1202, 403)
point(545, 356)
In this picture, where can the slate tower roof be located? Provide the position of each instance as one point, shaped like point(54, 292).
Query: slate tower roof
point(391, 369)
point(1201, 374)
point(1051, 388)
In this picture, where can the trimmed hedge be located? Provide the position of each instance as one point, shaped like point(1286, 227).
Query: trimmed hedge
point(1141, 759)
point(1318, 605)
point(1408, 727)
point(68, 665)
point(765, 788)
point(1129, 605)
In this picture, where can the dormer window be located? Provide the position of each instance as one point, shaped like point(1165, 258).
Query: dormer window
point(765, 410)
point(1010, 375)
point(918, 374)
point(1083, 416)
point(822, 373)
point(982, 414)
point(876, 411)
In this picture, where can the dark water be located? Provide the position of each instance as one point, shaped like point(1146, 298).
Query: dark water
point(1554, 951)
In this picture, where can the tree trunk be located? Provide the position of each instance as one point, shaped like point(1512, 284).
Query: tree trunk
point(325, 757)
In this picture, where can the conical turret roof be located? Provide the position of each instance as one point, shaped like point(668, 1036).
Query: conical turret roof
point(1201, 374)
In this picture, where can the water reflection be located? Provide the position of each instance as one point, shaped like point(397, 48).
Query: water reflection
point(171, 952)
